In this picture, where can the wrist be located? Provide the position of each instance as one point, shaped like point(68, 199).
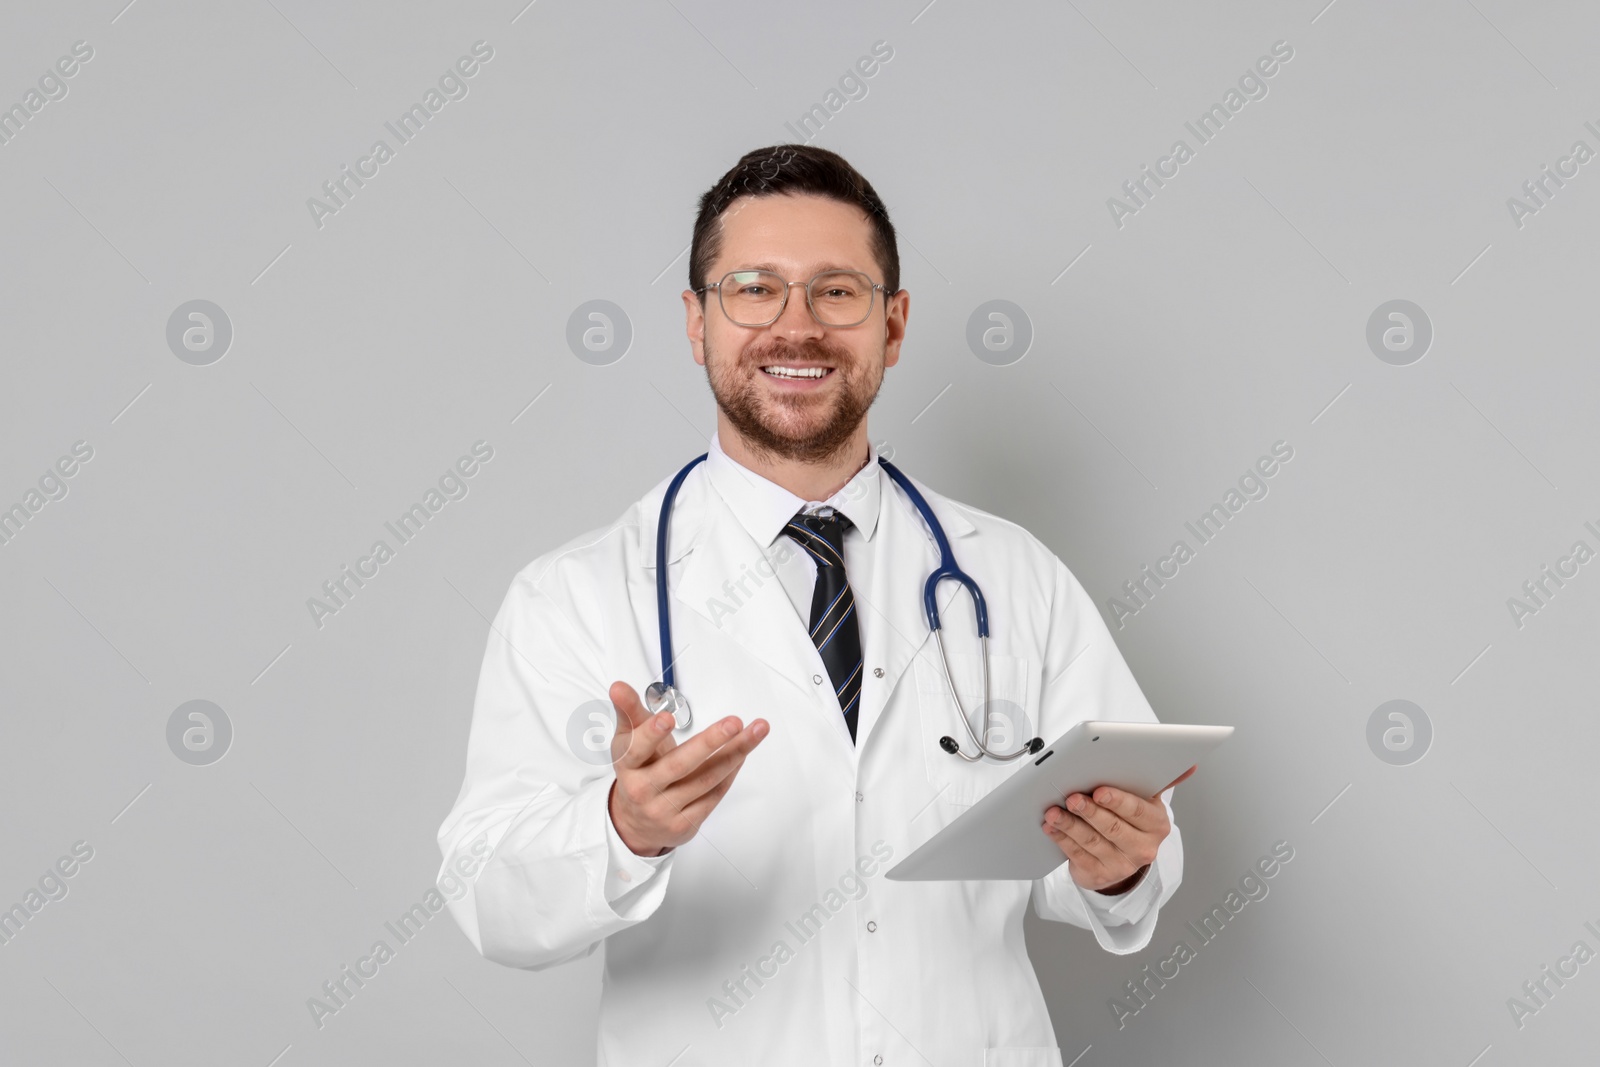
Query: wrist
point(1126, 884)
point(631, 843)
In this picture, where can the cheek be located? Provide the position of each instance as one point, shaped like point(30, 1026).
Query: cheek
point(719, 352)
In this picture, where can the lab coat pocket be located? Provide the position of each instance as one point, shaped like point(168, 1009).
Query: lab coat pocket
point(1011, 721)
point(1022, 1057)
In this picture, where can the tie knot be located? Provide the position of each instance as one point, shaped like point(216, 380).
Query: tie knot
point(821, 535)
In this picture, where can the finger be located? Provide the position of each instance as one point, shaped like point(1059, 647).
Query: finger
point(639, 734)
point(1133, 846)
point(1133, 840)
point(1054, 824)
point(719, 767)
point(690, 754)
point(1176, 780)
point(1087, 837)
point(1149, 816)
point(691, 809)
point(626, 704)
point(713, 767)
point(697, 810)
point(631, 712)
point(1082, 864)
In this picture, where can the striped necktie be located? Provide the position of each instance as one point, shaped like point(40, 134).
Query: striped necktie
point(834, 628)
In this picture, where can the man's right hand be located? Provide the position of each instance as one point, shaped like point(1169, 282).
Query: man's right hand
point(665, 790)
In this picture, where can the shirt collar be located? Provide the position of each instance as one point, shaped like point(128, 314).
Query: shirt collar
point(764, 508)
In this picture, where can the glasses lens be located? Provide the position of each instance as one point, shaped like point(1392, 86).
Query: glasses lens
point(842, 298)
point(752, 297)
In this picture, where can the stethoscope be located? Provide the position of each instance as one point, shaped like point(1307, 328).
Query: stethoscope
point(666, 696)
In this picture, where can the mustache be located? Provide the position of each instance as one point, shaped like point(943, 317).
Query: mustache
point(808, 352)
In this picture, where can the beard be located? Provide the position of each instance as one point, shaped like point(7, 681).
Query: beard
point(795, 426)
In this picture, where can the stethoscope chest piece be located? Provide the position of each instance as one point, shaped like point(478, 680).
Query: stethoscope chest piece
point(659, 698)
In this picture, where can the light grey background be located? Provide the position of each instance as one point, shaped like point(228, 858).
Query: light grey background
point(369, 354)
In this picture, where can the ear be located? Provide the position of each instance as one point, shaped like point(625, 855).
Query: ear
point(694, 325)
point(898, 311)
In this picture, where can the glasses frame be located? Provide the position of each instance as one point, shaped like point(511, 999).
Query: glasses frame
point(783, 304)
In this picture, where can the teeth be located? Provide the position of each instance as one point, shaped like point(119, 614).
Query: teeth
point(796, 372)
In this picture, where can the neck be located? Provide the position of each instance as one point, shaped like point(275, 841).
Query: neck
point(806, 479)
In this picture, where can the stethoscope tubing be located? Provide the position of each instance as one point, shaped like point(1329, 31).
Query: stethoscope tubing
point(666, 690)
point(663, 619)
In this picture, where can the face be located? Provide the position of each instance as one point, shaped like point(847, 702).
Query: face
point(807, 418)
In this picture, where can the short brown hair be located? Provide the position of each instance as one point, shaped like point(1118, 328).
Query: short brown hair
point(791, 168)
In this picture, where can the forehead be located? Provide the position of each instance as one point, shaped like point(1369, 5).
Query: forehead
point(798, 233)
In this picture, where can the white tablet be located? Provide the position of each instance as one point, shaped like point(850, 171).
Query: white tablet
point(1002, 836)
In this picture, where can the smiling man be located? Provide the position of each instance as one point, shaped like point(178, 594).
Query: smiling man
point(732, 859)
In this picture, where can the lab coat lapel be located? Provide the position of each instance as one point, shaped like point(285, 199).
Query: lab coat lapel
point(898, 626)
point(758, 615)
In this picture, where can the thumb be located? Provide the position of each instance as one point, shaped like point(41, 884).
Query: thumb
point(629, 712)
point(632, 715)
point(1176, 780)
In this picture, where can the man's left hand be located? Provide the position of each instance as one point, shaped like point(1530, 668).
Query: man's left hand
point(1111, 836)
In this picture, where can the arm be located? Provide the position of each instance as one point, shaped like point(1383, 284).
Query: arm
point(1087, 678)
point(1121, 923)
point(552, 885)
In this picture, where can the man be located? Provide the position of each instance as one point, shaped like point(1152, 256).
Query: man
point(734, 868)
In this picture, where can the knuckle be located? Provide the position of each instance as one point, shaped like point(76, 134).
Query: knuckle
point(636, 790)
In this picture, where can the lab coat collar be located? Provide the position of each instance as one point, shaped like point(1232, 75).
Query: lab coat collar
point(754, 501)
point(764, 508)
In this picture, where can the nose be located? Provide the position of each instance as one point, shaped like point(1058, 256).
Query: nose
point(797, 323)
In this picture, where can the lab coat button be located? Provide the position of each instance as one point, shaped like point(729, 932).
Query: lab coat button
point(872, 927)
point(877, 1059)
point(859, 798)
point(817, 678)
point(877, 672)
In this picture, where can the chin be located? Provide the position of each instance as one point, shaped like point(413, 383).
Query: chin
point(782, 422)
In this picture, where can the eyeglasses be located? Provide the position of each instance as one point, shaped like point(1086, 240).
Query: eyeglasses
point(758, 297)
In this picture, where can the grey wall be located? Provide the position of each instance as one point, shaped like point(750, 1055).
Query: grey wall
point(1170, 349)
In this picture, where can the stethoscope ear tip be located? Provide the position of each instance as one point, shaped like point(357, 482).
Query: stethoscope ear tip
point(1035, 745)
point(948, 743)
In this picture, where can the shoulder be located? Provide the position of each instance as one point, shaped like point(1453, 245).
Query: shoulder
point(591, 554)
point(1002, 554)
point(609, 557)
point(570, 573)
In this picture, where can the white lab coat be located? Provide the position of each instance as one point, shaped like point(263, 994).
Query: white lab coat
point(772, 936)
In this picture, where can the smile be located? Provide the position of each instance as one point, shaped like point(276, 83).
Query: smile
point(798, 373)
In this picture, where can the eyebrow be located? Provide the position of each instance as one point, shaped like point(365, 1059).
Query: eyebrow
point(822, 269)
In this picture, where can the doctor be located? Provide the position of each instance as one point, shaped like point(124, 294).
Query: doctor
point(734, 866)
